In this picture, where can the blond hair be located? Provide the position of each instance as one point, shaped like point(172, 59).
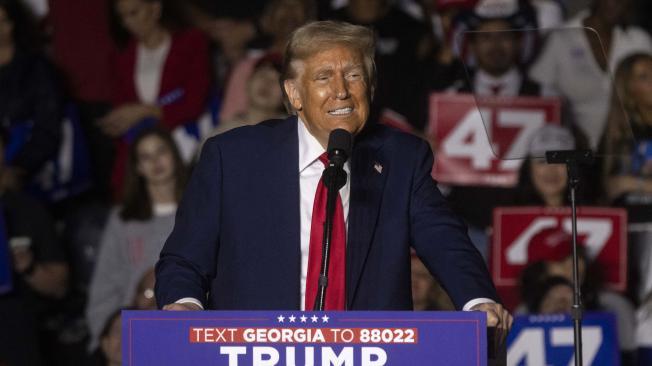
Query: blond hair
point(314, 37)
point(623, 111)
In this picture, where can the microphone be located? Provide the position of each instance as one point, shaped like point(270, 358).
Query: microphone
point(340, 144)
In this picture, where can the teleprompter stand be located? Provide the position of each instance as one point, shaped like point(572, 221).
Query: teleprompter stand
point(573, 159)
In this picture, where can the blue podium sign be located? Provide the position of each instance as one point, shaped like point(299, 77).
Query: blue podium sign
point(548, 340)
point(267, 338)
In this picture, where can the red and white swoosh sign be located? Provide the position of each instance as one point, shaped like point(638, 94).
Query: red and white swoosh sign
point(602, 231)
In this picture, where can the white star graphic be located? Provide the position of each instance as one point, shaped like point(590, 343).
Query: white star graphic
point(292, 318)
point(314, 318)
point(324, 319)
point(303, 318)
point(280, 318)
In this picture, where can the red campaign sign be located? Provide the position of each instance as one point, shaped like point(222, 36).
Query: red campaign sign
point(602, 231)
point(483, 142)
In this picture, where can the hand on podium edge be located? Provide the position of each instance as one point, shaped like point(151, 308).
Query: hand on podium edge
point(497, 317)
point(186, 306)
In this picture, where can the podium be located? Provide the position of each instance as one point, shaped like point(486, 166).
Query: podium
point(266, 338)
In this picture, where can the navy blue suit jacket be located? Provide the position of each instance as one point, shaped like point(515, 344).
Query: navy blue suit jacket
point(236, 240)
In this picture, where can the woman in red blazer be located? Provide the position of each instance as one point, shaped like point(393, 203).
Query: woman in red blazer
point(160, 76)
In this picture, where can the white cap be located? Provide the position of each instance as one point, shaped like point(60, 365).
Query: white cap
point(496, 8)
point(550, 138)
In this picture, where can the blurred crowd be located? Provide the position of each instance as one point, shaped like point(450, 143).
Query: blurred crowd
point(105, 104)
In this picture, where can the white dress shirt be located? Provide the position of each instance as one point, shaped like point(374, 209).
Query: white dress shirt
point(310, 171)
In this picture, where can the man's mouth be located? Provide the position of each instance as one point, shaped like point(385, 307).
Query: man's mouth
point(341, 111)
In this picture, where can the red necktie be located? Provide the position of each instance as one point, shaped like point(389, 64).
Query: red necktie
point(335, 292)
point(496, 89)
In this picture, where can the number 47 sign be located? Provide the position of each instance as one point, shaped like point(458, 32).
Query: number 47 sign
point(480, 142)
point(548, 340)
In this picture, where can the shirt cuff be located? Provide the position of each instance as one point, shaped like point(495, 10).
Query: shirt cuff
point(191, 300)
point(481, 300)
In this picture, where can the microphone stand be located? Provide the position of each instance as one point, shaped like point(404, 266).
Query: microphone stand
point(334, 178)
point(573, 159)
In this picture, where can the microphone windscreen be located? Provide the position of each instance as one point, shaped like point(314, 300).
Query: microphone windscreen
point(340, 139)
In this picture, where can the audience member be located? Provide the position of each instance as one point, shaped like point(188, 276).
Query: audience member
point(441, 67)
point(443, 16)
point(400, 45)
point(627, 169)
point(578, 59)
point(136, 231)
point(161, 75)
point(540, 183)
point(543, 184)
point(82, 224)
point(110, 350)
point(230, 24)
point(81, 47)
point(279, 19)
point(550, 255)
point(493, 41)
point(265, 100)
point(39, 275)
point(553, 296)
point(30, 98)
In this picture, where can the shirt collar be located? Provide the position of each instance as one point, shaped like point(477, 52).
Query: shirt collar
point(309, 148)
point(507, 78)
point(508, 81)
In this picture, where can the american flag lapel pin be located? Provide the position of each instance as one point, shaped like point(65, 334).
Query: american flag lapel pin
point(378, 167)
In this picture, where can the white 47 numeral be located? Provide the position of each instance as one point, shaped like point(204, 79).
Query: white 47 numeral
point(471, 140)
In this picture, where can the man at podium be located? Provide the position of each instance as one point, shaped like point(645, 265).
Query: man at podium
point(248, 232)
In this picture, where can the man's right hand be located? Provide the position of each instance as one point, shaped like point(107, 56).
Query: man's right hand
point(186, 306)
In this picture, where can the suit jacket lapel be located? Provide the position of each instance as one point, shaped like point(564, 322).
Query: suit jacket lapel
point(368, 176)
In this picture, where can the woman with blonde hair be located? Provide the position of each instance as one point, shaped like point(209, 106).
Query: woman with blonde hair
point(627, 167)
point(627, 141)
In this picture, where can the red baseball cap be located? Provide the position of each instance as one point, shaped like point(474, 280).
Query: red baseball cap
point(551, 244)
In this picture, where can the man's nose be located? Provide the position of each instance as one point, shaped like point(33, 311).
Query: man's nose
point(340, 88)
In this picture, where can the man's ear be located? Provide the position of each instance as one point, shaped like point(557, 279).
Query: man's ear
point(292, 91)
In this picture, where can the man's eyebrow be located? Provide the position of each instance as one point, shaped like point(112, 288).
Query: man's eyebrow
point(330, 69)
point(322, 70)
point(353, 67)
